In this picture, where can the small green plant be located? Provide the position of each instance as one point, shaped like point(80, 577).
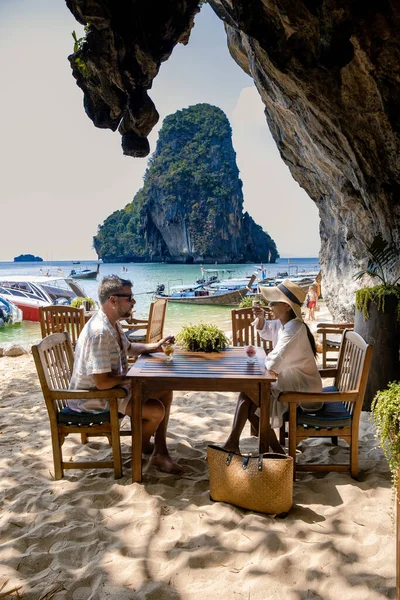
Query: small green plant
point(79, 44)
point(79, 301)
point(247, 302)
point(202, 338)
point(386, 412)
point(383, 258)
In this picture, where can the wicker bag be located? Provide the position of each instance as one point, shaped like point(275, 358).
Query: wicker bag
point(262, 483)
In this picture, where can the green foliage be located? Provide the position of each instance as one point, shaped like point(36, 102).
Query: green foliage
point(247, 302)
point(386, 412)
point(376, 294)
point(79, 46)
point(383, 257)
point(202, 338)
point(79, 301)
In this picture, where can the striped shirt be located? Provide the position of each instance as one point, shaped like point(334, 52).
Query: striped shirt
point(101, 348)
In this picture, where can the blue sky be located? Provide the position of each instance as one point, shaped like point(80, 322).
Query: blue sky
point(61, 177)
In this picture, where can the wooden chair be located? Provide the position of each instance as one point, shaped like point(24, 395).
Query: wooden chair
point(54, 363)
point(328, 344)
point(243, 333)
point(154, 326)
point(55, 319)
point(340, 415)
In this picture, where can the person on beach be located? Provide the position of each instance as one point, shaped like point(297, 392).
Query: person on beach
point(101, 361)
point(311, 302)
point(292, 359)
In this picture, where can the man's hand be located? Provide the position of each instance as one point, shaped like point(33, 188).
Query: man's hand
point(169, 339)
point(137, 349)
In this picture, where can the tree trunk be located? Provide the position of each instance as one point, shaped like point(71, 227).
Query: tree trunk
point(382, 330)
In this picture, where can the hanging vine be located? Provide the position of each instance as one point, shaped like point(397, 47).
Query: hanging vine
point(376, 294)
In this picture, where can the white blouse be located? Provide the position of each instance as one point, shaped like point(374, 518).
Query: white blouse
point(292, 359)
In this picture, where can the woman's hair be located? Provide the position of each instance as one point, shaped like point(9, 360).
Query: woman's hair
point(310, 336)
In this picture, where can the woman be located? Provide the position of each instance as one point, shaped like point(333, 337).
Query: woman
point(292, 359)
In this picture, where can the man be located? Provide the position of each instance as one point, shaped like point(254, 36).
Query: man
point(101, 361)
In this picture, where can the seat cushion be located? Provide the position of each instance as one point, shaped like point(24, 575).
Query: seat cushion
point(332, 414)
point(67, 415)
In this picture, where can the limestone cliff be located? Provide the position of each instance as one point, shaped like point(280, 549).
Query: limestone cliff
point(328, 73)
point(190, 208)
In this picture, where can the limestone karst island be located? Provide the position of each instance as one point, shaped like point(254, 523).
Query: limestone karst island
point(190, 208)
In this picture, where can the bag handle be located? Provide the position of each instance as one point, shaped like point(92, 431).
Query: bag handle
point(229, 459)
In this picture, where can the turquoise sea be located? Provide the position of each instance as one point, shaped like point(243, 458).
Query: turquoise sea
point(145, 278)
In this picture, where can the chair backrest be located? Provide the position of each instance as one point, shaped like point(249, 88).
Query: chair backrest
point(155, 328)
point(353, 368)
point(243, 332)
point(331, 344)
point(55, 319)
point(54, 360)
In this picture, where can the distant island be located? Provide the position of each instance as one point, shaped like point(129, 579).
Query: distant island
point(190, 208)
point(27, 258)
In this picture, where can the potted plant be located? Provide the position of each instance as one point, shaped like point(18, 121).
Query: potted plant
point(386, 412)
point(377, 317)
point(202, 338)
point(88, 303)
point(247, 302)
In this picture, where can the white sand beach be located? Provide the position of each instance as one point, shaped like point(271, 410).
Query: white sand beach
point(89, 536)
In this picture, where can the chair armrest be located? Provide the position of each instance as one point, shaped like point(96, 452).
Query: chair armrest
point(327, 372)
point(115, 392)
point(308, 397)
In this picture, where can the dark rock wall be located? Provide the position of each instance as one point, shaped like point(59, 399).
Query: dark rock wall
point(328, 73)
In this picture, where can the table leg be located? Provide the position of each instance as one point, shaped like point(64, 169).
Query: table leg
point(264, 432)
point(136, 427)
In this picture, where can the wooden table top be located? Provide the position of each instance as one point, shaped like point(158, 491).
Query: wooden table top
point(231, 363)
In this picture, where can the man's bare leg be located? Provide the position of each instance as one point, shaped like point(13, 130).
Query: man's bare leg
point(153, 413)
point(160, 457)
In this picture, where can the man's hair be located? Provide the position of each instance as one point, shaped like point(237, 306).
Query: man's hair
point(110, 285)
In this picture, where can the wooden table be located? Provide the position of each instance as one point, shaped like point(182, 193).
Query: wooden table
point(226, 371)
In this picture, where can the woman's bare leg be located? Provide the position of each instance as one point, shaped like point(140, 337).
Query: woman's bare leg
point(245, 410)
point(242, 413)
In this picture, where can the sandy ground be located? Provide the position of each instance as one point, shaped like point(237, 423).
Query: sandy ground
point(89, 536)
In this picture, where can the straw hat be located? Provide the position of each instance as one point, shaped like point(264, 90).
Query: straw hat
point(287, 292)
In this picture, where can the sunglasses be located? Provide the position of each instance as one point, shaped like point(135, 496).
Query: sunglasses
point(129, 296)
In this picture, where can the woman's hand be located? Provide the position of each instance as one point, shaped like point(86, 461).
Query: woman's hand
point(258, 312)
